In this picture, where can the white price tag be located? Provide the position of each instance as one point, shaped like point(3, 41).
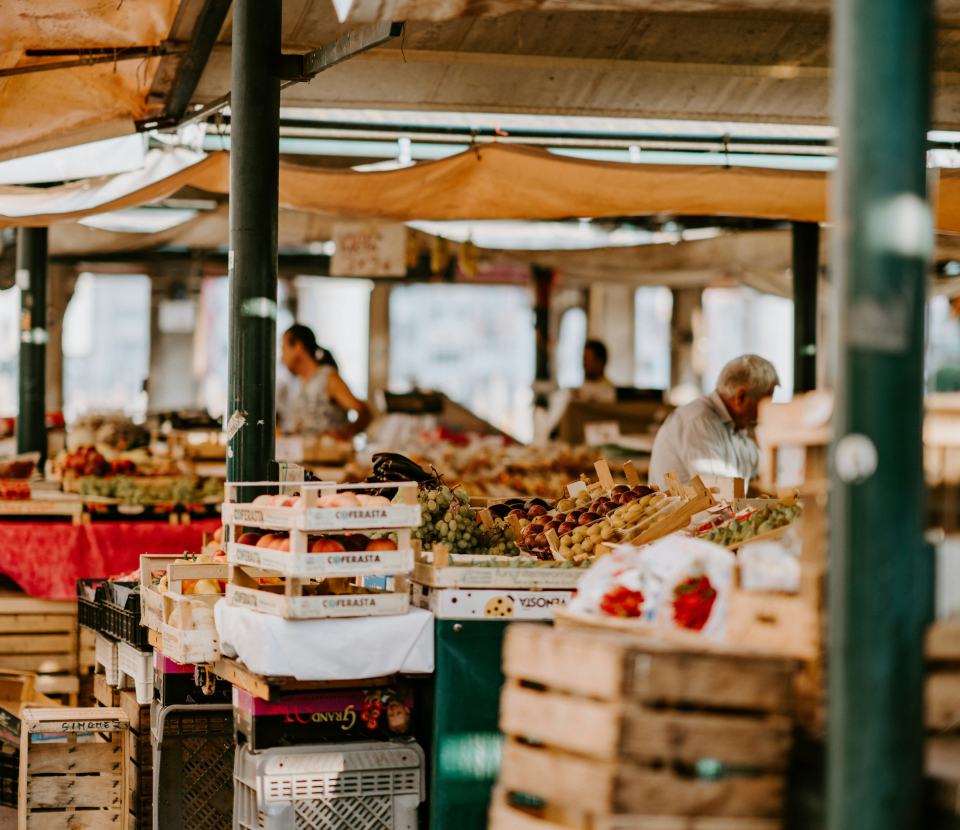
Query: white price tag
point(601, 433)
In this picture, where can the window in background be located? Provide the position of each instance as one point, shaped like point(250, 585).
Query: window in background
point(338, 311)
point(213, 335)
point(943, 347)
point(9, 351)
point(106, 345)
point(653, 308)
point(570, 340)
point(742, 321)
point(475, 343)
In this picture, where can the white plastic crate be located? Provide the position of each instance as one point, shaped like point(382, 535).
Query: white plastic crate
point(138, 666)
point(105, 654)
point(368, 786)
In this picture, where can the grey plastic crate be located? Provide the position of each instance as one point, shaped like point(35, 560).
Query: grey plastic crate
point(192, 767)
point(368, 786)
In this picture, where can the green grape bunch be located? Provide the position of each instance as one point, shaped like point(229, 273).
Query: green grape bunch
point(448, 518)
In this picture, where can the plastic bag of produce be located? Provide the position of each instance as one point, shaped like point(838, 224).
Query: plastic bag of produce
point(676, 584)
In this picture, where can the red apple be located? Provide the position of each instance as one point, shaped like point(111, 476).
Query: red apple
point(382, 544)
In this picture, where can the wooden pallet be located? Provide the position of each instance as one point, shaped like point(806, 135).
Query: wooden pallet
point(72, 773)
point(603, 726)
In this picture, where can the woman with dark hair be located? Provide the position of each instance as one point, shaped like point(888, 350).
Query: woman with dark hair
point(323, 401)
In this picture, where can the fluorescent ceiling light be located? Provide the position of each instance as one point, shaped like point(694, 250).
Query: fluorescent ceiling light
point(139, 220)
point(97, 158)
point(552, 236)
point(559, 123)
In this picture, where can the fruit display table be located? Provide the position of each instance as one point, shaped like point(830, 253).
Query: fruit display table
point(47, 558)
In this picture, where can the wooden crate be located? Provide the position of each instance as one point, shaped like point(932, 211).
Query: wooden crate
point(72, 773)
point(138, 757)
point(41, 635)
point(942, 705)
point(609, 729)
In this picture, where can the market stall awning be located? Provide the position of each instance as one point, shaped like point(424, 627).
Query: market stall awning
point(488, 182)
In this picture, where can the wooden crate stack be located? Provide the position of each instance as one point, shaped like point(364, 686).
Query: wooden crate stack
point(942, 714)
point(614, 731)
point(41, 635)
point(794, 441)
point(137, 753)
point(941, 460)
point(138, 757)
point(71, 769)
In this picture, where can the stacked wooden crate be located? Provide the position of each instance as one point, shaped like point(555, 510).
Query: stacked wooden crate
point(137, 754)
point(138, 757)
point(614, 731)
point(794, 440)
point(71, 769)
point(40, 635)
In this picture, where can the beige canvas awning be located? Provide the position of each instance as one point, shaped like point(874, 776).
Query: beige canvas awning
point(53, 108)
point(490, 182)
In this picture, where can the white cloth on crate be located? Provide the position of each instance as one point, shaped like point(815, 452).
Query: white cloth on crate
point(701, 439)
point(355, 648)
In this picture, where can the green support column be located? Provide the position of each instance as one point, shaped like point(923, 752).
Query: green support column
point(806, 274)
point(880, 569)
point(32, 279)
point(254, 184)
point(542, 290)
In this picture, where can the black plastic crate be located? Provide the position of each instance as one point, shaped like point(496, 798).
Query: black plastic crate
point(120, 613)
point(192, 767)
point(89, 610)
point(175, 685)
point(9, 778)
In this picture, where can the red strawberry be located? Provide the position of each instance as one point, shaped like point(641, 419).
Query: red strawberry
point(693, 601)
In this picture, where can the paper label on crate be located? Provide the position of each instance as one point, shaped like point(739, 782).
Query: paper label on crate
point(61, 726)
point(246, 514)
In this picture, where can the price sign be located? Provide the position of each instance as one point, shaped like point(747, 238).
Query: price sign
point(368, 249)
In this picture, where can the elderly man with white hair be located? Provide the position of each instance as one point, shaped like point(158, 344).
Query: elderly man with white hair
point(713, 435)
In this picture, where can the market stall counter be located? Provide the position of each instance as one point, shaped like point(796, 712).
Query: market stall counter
point(46, 559)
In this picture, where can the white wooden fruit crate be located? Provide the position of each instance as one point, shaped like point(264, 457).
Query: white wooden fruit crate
point(288, 600)
point(306, 516)
point(151, 599)
point(489, 603)
point(440, 569)
point(297, 562)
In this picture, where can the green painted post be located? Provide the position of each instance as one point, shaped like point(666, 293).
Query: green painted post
point(252, 264)
point(32, 279)
point(806, 275)
point(880, 569)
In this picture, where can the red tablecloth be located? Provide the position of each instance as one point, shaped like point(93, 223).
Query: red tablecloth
point(46, 559)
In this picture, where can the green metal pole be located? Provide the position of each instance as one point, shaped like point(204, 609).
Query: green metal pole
point(32, 279)
point(806, 273)
point(880, 569)
point(252, 265)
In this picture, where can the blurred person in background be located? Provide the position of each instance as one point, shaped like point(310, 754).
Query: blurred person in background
point(595, 388)
point(320, 402)
point(714, 435)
